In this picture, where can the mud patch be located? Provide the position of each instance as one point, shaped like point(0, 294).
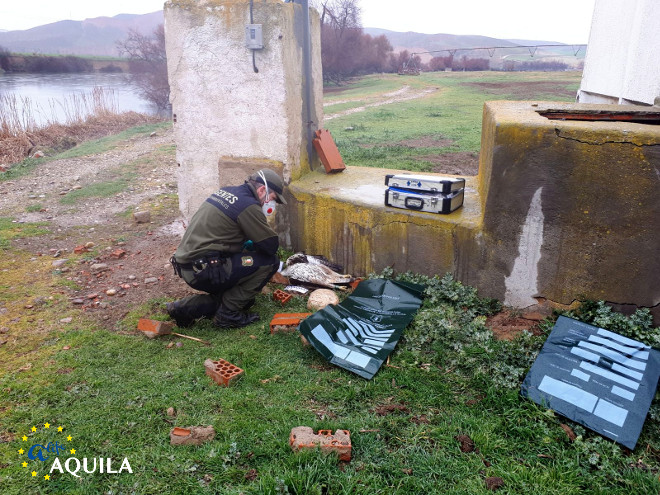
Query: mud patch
point(460, 163)
point(493, 483)
point(527, 90)
point(506, 325)
point(465, 443)
point(420, 420)
point(388, 409)
point(423, 142)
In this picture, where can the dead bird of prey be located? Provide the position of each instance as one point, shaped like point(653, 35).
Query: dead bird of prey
point(314, 259)
point(315, 270)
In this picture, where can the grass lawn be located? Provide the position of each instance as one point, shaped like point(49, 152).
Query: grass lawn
point(450, 109)
point(444, 416)
point(448, 380)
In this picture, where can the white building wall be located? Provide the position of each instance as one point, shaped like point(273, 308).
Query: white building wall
point(622, 64)
point(229, 120)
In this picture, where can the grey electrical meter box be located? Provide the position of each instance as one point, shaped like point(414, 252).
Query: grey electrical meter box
point(253, 37)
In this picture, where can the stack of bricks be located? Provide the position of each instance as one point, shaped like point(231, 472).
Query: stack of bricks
point(303, 437)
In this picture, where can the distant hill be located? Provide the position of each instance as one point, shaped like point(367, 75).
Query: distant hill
point(99, 36)
point(96, 36)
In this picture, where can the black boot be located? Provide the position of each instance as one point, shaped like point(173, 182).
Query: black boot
point(179, 314)
point(185, 311)
point(227, 318)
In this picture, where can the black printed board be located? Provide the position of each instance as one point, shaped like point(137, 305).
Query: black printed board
point(595, 377)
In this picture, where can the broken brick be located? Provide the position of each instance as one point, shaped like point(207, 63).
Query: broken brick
point(303, 437)
point(281, 296)
point(195, 435)
point(154, 328)
point(286, 322)
point(118, 253)
point(222, 372)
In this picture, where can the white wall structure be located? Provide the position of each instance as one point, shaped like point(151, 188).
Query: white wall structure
point(234, 115)
point(622, 64)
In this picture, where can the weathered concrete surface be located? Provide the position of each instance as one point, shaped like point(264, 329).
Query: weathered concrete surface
point(228, 119)
point(343, 216)
point(597, 186)
point(560, 210)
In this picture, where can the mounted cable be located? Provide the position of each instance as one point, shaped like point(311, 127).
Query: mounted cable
point(253, 37)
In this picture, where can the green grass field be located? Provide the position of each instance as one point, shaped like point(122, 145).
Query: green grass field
point(451, 110)
point(447, 380)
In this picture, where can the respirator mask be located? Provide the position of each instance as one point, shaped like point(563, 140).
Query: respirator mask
point(268, 208)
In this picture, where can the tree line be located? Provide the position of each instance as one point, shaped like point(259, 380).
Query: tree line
point(42, 63)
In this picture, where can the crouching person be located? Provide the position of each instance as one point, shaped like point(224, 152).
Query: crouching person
point(229, 252)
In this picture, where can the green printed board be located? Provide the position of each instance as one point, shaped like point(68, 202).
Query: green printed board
point(360, 332)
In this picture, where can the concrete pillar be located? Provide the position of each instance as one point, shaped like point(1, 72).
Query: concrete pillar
point(233, 115)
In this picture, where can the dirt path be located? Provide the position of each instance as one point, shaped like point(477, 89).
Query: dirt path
point(404, 94)
point(127, 262)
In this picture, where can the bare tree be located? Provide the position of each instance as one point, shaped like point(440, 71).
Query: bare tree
point(148, 65)
point(345, 50)
point(340, 14)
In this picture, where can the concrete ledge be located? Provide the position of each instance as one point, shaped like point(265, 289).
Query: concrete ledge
point(343, 216)
point(564, 208)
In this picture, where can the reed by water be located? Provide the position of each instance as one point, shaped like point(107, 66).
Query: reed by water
point(26, 127)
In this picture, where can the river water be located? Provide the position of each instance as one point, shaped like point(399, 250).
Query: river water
point(59, 97)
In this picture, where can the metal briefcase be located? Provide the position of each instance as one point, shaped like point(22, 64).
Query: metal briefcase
point(429, 183)
point(432, 202)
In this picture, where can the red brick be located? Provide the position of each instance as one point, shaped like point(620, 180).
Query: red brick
point(303, 437)
point(154, 328)
point(281, 296)
point(222, 372)
point(286, 322)
point(328, 152)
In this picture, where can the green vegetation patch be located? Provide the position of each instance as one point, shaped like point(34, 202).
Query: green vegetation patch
point(34, 207)
point(107, 143)
point(10, 229)
point(99, 189)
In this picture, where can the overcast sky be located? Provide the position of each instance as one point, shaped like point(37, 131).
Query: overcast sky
point(565, 21)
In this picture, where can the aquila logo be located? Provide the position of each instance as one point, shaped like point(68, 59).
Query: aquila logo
point(45, 449)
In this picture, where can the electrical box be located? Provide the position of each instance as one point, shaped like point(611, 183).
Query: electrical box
point(254, 39)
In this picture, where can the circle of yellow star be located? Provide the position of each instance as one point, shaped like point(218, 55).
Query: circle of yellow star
point(47, 477)
point(34, 473)
point(34, 428)
point(47, 425)
point(24, 464)
point(24, 438)
point(73, 451)
point(20, 451)
point(69, 438)
point(60, 428)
